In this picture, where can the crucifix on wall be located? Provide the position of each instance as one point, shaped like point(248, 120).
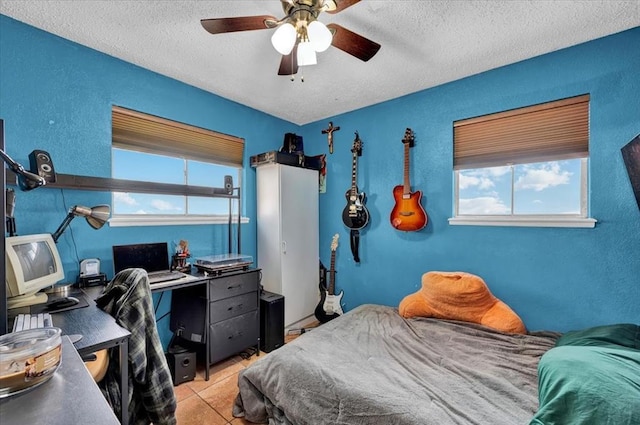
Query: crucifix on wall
point(329, 132)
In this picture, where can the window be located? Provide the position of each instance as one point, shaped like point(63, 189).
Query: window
point(151, 149)
point(525, 167)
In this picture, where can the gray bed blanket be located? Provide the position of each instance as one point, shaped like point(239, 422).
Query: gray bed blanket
point(371, 366)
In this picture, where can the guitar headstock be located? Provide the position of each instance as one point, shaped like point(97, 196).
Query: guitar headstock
point(408, 137)
point(334, 242)
point(357, 145)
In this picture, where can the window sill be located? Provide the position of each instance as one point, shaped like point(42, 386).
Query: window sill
point(523, 221)
point(154, 220)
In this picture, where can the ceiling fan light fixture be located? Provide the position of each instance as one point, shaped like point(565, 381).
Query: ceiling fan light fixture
point(319, 36)
point(306, 54)
point(284, 38)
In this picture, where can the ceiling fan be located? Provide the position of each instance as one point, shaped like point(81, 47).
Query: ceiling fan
point(299, 34)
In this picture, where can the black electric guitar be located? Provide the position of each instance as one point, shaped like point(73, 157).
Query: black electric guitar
point(329, 306)
point(355, 215)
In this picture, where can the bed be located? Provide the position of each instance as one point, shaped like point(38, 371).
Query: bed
point(451, 353)
point(372, 366)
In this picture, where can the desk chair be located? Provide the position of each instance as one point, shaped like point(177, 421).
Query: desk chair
point(97, 363)
point(150, 391)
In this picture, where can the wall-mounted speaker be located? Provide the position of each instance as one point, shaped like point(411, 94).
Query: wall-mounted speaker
point(228, 184)
point(42, 165)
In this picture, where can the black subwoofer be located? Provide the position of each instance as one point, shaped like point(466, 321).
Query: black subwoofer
point(271, 321)
point(182, 366)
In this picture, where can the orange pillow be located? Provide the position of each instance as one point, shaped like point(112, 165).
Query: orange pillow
point(460, 296)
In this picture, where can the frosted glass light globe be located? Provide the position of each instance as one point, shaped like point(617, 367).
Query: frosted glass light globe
point(284, 38)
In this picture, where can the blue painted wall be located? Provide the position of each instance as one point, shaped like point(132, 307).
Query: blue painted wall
point(553, 278)
point(56, 95)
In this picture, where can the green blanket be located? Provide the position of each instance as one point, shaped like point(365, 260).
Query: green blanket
point(591, 377)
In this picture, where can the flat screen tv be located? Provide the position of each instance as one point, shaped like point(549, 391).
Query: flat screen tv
point(33, 263)
point(631, 156)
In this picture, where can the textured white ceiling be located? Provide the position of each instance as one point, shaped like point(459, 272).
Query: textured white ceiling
point(424, 44)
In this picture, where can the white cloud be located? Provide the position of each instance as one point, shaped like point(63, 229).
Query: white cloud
point(124, 198)
point(140, 212)
point(482, 178)
point(467, 181)
point(498, 171)
point(164, 205)
point(483, 205)
point(543, 176)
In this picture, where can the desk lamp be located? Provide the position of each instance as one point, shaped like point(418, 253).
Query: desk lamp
point(96, 217)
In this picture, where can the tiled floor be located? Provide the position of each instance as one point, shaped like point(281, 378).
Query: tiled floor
point(210, 402)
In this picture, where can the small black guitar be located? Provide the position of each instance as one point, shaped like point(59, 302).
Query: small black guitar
point(329, 306)
point(355, 215)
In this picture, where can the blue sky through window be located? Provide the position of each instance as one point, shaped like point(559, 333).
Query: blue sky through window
point(132, 165)
point(541, 188)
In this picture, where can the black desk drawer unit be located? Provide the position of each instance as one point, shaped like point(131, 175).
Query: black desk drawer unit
point(233, 335)
point(234, 319)
point(227, 306)
point(229, 286)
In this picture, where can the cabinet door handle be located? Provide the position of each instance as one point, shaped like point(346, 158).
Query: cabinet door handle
point(235, 335)
point(234, 306)
point(284, 247)
point(233, 286)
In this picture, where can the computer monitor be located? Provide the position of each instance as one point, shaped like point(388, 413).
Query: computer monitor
point(33, 263)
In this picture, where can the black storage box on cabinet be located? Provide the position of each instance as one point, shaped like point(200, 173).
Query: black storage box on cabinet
point(271, 321)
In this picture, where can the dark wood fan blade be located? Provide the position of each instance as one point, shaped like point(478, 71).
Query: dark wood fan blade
point(289, 63)
point(242, 23)
point(342, 5)
point(352, 43)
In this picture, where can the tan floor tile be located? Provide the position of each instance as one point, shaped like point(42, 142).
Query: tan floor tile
point(250, 360)
point(217, 372)
point(195, 411)
point(183, 391)
point(221, 395)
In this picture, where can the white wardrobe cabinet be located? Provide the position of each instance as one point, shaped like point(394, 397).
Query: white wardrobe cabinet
point(288, 236)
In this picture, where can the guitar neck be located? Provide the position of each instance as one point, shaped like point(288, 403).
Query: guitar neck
point(354, 174)
point(332, 274)
point(406, 186)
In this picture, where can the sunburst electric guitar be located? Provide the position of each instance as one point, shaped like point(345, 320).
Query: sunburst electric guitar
point(329, 306)
point(407, 214)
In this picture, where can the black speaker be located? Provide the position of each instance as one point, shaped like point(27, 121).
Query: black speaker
point(271, 321)
point(182, 366)
point(42, 165)
point(228, 184)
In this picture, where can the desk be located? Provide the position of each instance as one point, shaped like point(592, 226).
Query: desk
point(99, 331)
point(69, 397)
point(221, 311)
